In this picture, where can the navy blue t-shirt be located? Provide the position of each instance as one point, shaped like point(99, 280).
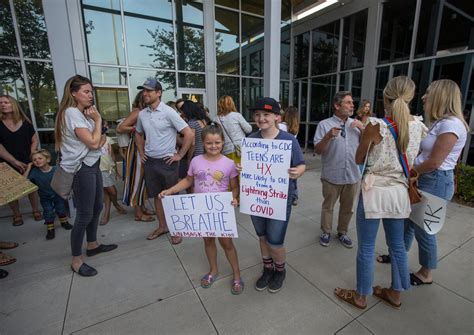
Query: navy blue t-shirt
point(297, 157)
point(43, 181)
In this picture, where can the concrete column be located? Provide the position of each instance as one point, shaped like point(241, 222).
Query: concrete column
point(63, 33)
point(374, 23)
point(210, 57)
point(272, 40)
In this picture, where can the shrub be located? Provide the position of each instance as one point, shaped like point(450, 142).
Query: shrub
point(465, 176)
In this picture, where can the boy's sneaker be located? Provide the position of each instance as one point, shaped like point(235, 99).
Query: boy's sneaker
point(262, 282)
point(345, 240)
point(66, 225)
point(50, 235)
point(324, 239)
point(277, 281)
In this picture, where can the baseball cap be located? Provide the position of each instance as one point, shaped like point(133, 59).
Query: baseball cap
point(151, 84)
point(266, 104)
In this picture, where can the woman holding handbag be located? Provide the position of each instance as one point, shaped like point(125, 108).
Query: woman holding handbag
point(78, 138)
point(234, 125)
point(389, 144)
point(435, 165)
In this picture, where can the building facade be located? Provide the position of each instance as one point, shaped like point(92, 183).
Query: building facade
point(204, 49)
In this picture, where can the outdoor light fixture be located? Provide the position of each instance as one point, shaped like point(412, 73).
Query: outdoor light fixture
point(316, 8)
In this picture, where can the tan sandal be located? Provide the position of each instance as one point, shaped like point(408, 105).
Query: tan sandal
point(6, 259)
point(348, 296)
point(382, 294)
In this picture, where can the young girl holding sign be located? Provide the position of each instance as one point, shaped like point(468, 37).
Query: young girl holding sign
point(272, 232)
point(213, 172)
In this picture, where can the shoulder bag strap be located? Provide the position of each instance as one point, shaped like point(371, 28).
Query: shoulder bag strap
point(403, 157)
point(230, 138)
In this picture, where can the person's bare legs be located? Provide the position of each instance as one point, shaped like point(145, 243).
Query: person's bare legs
point(231, 254)
point(34, 201)
point(211, 253)
point(107, 204)
point(277, 254)
point(78, 260)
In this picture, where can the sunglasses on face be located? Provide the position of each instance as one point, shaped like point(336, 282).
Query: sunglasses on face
point(343, 130)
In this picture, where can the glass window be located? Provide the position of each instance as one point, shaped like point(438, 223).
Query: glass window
point(285, 10)
point(150, 43)
point(344, 81)
point(33, 35)
point(322, 93)
point(43, 92)
point(108, 75)
point(229, 86)
point(104, 37)
point(285, 49)
point(46, 139)
point(296, 95)
point(426, 29)
point(166, 79)
point(228, 3)
point(380, 82)
point(112, 103)
point(325, 49)
point(252, 90)
point(108, 4)
point(304, 100)
point(12, 83)
point(421, 75)
point(353, 42)
point(284, 93)
point(227, 41)
point(460, 32)
point(252, 6)
point(189, 35)
point(301, 55)
point(191, 80)
point(8, 46)
point(400, 70)
point(464, 5)
point(397, 30)
point(356, 87)
point(151, 8)
point(252, 45)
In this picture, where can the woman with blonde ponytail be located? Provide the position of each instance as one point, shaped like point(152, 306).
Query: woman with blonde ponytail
point(384, 193)
point(78, 138)
point(440, 151)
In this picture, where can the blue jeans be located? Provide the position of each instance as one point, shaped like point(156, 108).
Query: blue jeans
point(273, 230)
point(441, 184)
point(366, 235)
point(88, 198)
point(52, 204)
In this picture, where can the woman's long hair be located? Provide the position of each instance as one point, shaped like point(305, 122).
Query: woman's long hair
point(443, 100)
point(291, 118)
point(18, 114)
point(361, 112)
point(192, 110)
point(138, 102)
point(225, 105)
point(399, 91)
point(72, 85)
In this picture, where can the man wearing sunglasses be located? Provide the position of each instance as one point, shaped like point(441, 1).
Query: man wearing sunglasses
point(336, 140)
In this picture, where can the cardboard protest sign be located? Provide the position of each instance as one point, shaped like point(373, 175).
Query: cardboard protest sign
point(264, 179)
point(13, 185)
point(200, 215)
point(430, 213)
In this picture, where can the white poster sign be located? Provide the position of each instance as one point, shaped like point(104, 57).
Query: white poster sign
point(200, 215)
point(264, 177)
point(430, 213)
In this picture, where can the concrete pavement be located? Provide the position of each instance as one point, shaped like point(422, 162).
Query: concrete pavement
point(152, 287)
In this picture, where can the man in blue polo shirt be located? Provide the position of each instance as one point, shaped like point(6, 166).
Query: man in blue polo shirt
point(336, 140)
point(156, 130)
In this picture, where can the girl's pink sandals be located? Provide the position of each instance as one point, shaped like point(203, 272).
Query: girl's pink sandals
point(208, 280)
point(237, 286)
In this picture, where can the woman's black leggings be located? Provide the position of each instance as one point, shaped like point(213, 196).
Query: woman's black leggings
point(88, 199)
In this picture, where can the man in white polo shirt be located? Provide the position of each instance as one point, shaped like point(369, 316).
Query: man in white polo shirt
point(156, 130)
point(336, 140)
